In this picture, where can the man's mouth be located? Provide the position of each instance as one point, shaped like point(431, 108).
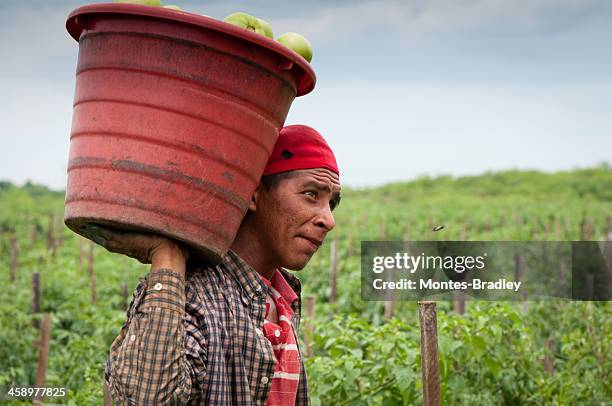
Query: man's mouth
point(313, 241)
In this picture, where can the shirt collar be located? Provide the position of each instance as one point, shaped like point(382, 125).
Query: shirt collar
point(292, 281)
point(280, 284)
point(252, 283)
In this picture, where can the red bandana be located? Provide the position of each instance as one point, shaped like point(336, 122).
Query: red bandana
point(300, 147)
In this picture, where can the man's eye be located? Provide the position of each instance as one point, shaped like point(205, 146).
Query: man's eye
point(311, 193)
point(334, 203)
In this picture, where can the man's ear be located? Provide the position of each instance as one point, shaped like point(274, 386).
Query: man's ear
point(255, 198)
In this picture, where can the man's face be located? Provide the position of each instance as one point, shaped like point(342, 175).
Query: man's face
point(294, 216)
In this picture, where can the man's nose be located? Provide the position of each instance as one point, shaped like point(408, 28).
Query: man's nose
point(325, 219)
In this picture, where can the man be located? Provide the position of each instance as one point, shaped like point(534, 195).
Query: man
point(227, 334)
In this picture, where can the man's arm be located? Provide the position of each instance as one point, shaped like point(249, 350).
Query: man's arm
point(159, 356)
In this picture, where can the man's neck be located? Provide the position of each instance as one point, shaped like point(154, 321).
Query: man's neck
point(248, 247)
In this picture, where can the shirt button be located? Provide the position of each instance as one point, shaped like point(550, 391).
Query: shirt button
point(276, 333)
point(264, 380)
point(158, 286)
point(133, 338)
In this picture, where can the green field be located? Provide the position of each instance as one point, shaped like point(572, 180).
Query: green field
point(493, 354)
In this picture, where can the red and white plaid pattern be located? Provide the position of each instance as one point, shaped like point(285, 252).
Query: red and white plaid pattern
point(279, 331)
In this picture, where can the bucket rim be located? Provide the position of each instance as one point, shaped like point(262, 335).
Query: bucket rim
point(307, 78)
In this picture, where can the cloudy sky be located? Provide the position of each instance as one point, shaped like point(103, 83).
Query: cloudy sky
point(404, 88)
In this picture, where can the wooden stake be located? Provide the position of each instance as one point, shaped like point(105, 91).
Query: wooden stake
point(59, 226)
point(92, 275)
point(608, 229)
point(459, 302)
point(14, 258)
point(81, 253)
point(549, 361)
point(545, 254)
point(35, 299)
point(519, 273)
point(586, 230)
point(459, 297)
point(310, 304)
point(334, 270)
point(382, 230)
point(463, 235)
point(519, 267)
point(429, 353)
point(35, 292)
point(45, 339)
point(34, 234)
point(50, 237)
point(388, 309)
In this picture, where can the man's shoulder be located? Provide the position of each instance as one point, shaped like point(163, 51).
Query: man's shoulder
point(206, 275)
point(232, 277)
point(209, 295)
point(214, 281)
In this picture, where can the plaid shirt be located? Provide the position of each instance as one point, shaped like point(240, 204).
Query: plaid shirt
point(198, 341)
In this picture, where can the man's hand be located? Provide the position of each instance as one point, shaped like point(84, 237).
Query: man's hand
point(161, 252)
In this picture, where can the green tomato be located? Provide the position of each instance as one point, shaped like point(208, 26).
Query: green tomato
point(250, 23)
point(267, 28)
point(297, 43)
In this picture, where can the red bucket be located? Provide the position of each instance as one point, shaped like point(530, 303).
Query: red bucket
point(175, 116)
